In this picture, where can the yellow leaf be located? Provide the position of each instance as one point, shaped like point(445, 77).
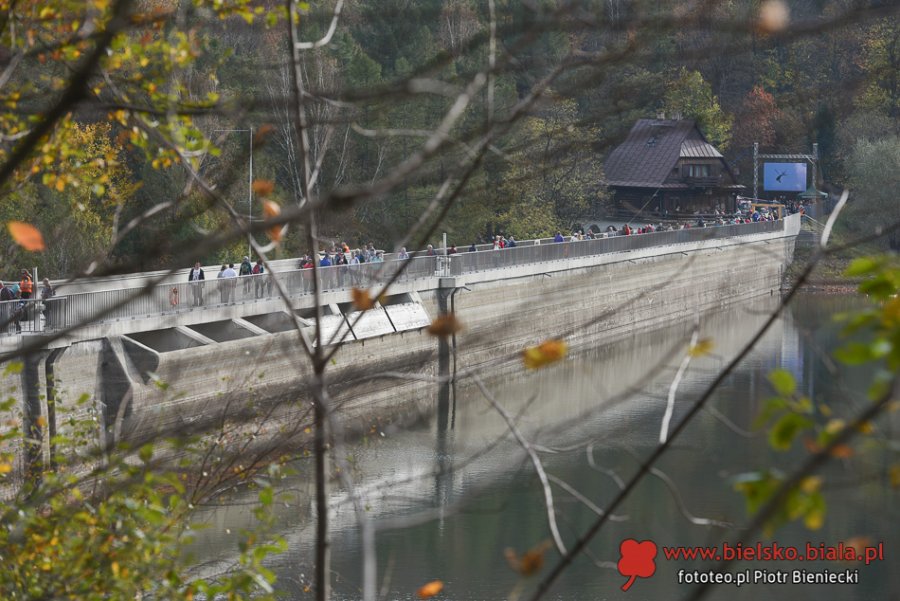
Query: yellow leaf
point(866, 428)
point(545, 353)
point(5, 468)
point(702, 348)
point(26, 235)
point(444, 325)
point(894, 475)
point(834, 426)
point(811, 484)
point(361, 299)
point(430, 590)
point(814, 520)
point(41, 421)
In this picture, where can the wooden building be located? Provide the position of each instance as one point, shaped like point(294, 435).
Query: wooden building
point(667, 168)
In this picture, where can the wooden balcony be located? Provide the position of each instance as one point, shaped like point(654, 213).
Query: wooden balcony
point(710, 181)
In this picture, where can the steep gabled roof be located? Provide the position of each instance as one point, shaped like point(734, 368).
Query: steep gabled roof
point(694, 148)
point(650, 152)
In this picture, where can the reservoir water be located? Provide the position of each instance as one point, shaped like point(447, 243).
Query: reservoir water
point(451, 495)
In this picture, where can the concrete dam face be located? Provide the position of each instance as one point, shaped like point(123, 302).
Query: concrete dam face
point(153, 366)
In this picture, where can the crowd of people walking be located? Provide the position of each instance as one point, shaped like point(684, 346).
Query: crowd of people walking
point(17, 302)
point(339, 266)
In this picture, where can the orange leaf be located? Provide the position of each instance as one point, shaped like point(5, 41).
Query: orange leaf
point(842, 451)
point(272, 209)
point(531, 562)
point(858, 544)
point(275, 233)
point(444, 325)
point(545, 353)
point(430, 590)
point(262, 134)
point(26, 235)
point(263, 187)
point(811, 445)
point(361, 299)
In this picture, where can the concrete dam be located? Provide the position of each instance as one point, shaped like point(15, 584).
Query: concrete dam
point(152, 353)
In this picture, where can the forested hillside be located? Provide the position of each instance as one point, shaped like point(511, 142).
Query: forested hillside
point(828, 71)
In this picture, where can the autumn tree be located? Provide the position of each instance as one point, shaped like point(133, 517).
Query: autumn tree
point(552, 178)
point(756, 120)
point(689, 95)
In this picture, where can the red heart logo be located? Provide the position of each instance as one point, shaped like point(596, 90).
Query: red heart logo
point(637, 560)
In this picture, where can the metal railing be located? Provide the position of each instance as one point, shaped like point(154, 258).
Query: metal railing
point(31, 315)
point(106, 306)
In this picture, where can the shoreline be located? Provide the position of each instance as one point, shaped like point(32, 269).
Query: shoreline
point(831, 287)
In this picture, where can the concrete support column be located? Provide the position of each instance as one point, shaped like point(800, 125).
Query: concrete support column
point(443, 298)
point(49, 367)
point(32, 410)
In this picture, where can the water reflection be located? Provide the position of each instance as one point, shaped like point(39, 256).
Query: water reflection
point(450, 495)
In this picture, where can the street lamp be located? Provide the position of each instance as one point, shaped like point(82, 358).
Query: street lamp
point(249, 187)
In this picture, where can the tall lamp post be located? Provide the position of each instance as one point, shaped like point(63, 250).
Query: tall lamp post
point(249, 186)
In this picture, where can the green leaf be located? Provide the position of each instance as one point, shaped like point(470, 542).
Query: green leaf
point(786, 429)
point(858, 321)
point(14, 367)
point(881, 385)
point(803, 405)
point(146, 453)
point(772, 407)
point(862, 266)
point(783, 382)
point(879, 287)
point(757, 488)
point(855, 353)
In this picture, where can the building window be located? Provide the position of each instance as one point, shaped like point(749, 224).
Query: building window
point(698, 171)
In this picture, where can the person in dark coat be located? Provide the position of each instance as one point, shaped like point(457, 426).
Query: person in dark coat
point(47, 292)
point(196, 277)
point(8, 310)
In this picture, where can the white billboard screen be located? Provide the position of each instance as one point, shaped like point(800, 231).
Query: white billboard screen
point(784, 177)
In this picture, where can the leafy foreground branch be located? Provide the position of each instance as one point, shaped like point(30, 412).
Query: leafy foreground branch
point(775, 500)
point(119, 530)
